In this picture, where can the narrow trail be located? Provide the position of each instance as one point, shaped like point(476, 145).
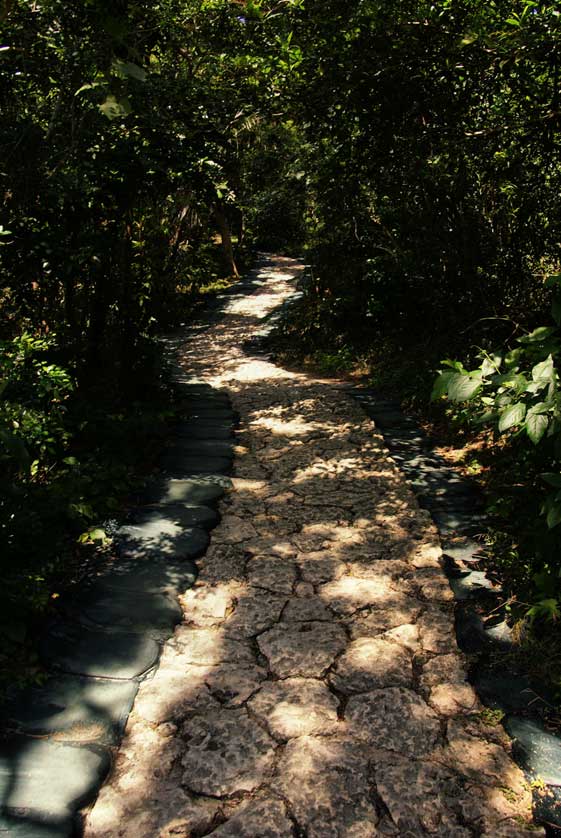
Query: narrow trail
point(314, 687)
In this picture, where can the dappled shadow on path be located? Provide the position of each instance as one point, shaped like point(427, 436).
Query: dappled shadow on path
point(314, 687)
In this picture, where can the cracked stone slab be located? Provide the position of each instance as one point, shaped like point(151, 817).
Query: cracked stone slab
point(397, 611)
point(72, 709)
point(482, 754)
point(437, 631)
point(320, 567)
point(304, 609)
point(371, 663)
point(305, 649)
point(79, 651)
point(348, 594)
point(421, 797)
point(395, 719)
point(205, 647)
point(271, 574)
point(254, 612)
point(169, 810)
point(296, 707)
point(264, 817)
point(209, 605)
point(327, 781)
point(48, 781)
point(225, 753)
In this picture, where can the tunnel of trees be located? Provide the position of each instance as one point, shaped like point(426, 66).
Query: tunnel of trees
point(410, 149)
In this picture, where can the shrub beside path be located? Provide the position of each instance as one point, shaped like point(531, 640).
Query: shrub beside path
point(314, 687)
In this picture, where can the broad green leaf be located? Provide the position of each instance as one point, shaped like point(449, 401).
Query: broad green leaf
point(440, 387)
point(536, 426)
point(544, 371)
point(554, 516)
point(513, 415)
point(540, 407)
point(126, 69)
point(552, 479)
point(539, 334)
point(114, 108)
point(461, 388)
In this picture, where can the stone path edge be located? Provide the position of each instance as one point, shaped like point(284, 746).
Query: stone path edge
point(456, 512)
point(72, 725)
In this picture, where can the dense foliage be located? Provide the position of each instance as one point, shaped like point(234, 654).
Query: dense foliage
point(412, 148)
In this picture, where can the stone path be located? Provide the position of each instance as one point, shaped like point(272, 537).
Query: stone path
point(314, 687)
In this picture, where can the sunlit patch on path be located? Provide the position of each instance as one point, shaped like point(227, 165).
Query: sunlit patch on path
point(314, 686)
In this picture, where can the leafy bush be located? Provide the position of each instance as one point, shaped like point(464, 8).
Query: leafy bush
point(517, 393)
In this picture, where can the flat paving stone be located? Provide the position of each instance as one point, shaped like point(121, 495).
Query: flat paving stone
point(225, 753)
point(272, 574)
point(154, 614)
point(48, 781)
point(80, 651)
point(206, 447)
point(255, 611)
point(394, 719)
point(181, 515)
point(264, 817)
point(177, 463)
point(31, 827)
point(370, 663)
point(75, 709)
point(296, 707)
point(159, 540)
point(305, 649)
point(328, 783)
point(421, 797)
point(150, 576)
point(470, 585)
point(537, 750)
point(210, 414)
point(205, 430)
point(507, 691)
point(193, 490)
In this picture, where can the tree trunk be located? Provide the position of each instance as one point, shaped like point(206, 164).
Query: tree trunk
point(226, 239)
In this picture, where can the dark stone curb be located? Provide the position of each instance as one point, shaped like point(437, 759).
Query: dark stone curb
point(110, 632)
point(455, 504)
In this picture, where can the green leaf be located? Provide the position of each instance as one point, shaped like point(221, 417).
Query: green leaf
point(536, 426)
point(552, 479)
point(461, 388)
point(513, 415)
point(544, 371)
point(440, 387)
point(539, 334)
point(546, 608)
point(114, 108)
point(554, 516)
point(126, 69)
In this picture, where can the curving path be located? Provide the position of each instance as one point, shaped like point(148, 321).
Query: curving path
point(314, 687)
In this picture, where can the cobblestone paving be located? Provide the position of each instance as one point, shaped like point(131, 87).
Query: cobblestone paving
point(314, 687)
